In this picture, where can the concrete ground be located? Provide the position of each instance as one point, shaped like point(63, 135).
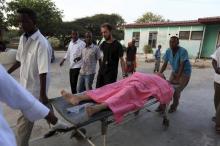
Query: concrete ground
point(191, 125)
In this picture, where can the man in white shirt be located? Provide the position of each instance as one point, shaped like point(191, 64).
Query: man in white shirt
point(33, 58)
point(15, 96)
point(73, 54)
point(216, 66)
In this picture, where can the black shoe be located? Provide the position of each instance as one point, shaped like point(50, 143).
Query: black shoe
point(172, 109)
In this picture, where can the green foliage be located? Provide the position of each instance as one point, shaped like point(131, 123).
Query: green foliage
point(11, 34)
point(2, 17)
point(55, 42)
point(148, 49)
point(92, 24)
point(150, 17)
point(49, 16)
point(50, 20)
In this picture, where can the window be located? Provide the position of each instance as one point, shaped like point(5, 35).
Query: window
point(152, 41)
point(136, 36)
point(184, 35)
point(196, 35)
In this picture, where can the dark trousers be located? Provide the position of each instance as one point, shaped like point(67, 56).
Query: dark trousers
point(104, 79)
point(217, 102)
point(74, 73)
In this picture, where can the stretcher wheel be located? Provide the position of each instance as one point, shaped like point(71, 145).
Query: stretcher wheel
point(166, 123)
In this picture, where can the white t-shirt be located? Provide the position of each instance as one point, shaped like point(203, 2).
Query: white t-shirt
point(216, 57)
point(74, 51)
point(15, 96)
point(34, 54)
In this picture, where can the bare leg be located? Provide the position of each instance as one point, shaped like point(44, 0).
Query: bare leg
point(91, 110)
point(74, 99)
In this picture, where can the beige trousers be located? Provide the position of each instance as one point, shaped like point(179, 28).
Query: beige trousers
point(184, 80)
point(24, 128)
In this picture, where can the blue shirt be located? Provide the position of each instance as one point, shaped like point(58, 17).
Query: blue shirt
point(180, 56)
point(157, 54)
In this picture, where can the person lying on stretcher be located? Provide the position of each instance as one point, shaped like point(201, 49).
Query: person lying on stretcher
point(126, 95)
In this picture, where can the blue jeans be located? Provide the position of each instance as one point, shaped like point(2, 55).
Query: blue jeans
point(85, 82)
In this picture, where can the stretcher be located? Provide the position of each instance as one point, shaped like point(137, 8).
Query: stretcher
point(105, 117)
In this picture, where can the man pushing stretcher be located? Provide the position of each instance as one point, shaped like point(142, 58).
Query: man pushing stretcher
point(126, 95)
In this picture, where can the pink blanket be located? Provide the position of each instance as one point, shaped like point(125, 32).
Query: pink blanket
point(132, 93)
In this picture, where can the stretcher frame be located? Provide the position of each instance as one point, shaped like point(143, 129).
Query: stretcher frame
point(103, 117)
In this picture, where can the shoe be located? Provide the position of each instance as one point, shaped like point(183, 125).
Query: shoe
point(172, 109)
point(59, 126)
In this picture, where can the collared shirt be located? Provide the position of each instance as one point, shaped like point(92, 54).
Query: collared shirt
point(157, 54)
point(15, 96)
point(90, 55)
point(216, 57)
point(34, 54)
point(180, 56)
point(74, 51)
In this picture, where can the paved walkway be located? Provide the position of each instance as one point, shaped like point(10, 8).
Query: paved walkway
point(191, 125)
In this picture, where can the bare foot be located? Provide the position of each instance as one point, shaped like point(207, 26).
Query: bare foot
point(91, 110)
point(70, 97)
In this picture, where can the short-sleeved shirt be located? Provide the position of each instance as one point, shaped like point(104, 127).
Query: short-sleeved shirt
point(111, 54)
point(74, 51)
point(90, 56)
point(175, 60)
point(34, 54)
point(157, 54)
point(131, 53)
point(216, 57)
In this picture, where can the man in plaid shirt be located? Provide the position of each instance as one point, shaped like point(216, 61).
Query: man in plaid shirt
point(90, 56)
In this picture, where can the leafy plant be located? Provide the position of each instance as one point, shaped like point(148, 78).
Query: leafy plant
point(148, 49)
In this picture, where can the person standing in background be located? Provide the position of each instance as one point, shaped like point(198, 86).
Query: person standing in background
point(73, 54)
point(90, 56)
point(131, 52)
point(112, 52)
point(157, 59)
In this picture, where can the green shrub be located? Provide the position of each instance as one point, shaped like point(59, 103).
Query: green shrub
point(148, 49)
point(55, 42)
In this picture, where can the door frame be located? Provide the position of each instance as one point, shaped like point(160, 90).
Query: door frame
point(218, 40)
